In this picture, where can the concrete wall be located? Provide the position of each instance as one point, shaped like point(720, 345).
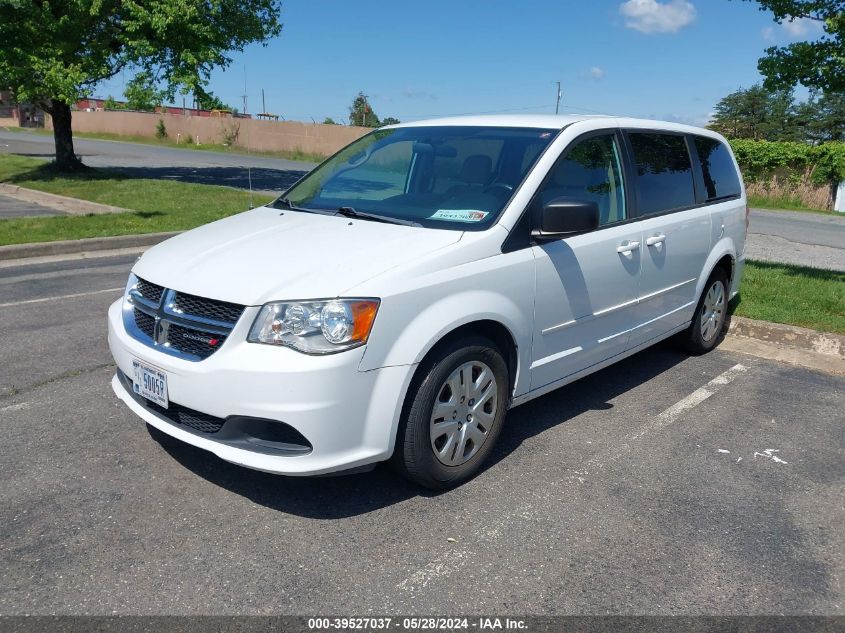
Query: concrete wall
point(257, 135)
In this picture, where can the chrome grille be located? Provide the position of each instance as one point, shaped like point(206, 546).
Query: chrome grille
point(176, 323)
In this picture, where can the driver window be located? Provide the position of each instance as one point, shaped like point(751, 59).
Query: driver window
point(590, 170)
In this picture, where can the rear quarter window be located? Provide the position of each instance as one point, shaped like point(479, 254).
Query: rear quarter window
point(717, 167)
point(664, 177)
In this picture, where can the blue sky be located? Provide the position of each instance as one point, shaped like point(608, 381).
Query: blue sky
point(666, 59)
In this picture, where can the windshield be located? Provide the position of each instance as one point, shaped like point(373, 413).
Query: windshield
point(446, 177)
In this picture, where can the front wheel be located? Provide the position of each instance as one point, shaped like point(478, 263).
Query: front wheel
point(453, 414)
point(708, 324)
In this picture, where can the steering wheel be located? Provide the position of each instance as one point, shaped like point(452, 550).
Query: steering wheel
point(498, 186)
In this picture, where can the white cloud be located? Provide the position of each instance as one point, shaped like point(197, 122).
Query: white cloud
point(650, 16)
point(593, 72)
point(768, 33)
point(801, 27)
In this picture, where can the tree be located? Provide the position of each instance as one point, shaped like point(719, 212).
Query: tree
point(54, 52)
point(823, 118)
point(758, 113)
point(818, 65)
point(111, 104)
point(207, 100)
point(329, 121)
point(390, 121)
point(361, 113)
point(141, 93)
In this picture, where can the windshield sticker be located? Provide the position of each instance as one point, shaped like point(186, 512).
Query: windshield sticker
point(460, 215)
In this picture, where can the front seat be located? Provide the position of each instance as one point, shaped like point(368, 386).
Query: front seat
point(475, 173)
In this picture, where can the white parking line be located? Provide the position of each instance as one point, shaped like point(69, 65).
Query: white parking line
point(73, 296)
point(454, 557)
point(667, 417)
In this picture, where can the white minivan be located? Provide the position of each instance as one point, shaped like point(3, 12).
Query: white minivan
point(401, 297)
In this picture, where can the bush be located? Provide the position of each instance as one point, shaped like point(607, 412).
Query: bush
point(229, 132)
point(804, 175)
point(761, 160)
point(161, 130)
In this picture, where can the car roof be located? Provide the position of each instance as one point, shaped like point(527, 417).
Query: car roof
point(554, 121)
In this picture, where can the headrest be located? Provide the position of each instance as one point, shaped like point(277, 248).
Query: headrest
point(476, 169)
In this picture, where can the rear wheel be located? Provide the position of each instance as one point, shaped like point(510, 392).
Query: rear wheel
point(453, 414)
point(708, 324)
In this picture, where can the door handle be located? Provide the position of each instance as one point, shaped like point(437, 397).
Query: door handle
point(627, 248)
point(655, 239)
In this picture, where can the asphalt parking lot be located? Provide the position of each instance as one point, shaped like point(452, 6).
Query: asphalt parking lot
point(663, 485)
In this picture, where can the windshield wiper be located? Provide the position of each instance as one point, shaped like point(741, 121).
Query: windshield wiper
point(292, 206)
point(349, 212)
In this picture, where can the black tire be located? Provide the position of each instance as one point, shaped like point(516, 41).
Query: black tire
point(414, 453)
point(693, 339)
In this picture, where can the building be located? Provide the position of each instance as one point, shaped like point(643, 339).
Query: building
point(95, 104)
point(17, 114)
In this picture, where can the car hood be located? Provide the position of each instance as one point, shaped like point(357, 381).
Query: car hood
point(267, 254)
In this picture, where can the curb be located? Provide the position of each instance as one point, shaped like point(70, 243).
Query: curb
point(825, 343)
point(73, 206)
point(64, 247)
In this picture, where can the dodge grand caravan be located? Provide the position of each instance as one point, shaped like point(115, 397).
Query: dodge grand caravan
point(396, 301)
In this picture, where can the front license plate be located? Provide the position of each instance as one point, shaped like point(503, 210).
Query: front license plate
point(150, 382)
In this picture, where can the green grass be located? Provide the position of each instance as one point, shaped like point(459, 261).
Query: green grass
point(783, 204)
point(296, 154)
point(794, 295)
point(158, 205)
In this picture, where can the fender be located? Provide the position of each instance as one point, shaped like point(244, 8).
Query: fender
point(724, 246)
point(411, 323)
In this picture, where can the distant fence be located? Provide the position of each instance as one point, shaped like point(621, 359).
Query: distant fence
point(243, 133)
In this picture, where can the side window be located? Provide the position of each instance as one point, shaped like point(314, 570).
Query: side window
point(663, 171)
point(590, 170)
point(720, 177)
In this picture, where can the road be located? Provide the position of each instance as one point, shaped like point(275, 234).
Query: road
point(150, 161)
point(791, 237)
point(630, 492)
point(798, 238)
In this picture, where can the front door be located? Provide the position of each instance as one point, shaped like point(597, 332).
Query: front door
point(586, 291)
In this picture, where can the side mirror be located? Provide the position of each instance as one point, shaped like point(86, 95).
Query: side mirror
point(565, 216)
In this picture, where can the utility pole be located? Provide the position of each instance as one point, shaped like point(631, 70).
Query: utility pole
point(557, 105)
point(244, 98)
point(263, 103)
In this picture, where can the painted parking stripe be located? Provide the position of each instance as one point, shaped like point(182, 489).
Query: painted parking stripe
point(73, 296)
point(453, 558)
point(667, 417)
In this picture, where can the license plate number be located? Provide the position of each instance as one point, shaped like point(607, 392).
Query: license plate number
point(150, 382)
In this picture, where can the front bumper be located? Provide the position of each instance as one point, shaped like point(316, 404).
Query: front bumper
point(349, 417)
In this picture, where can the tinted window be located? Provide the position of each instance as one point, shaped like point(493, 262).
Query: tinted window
point(720, 177)
point(590, 170)
point(664, 172)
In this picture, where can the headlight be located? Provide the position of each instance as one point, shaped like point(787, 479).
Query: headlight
point(130, 284)
point(315, 327)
